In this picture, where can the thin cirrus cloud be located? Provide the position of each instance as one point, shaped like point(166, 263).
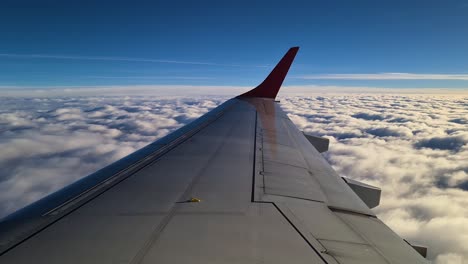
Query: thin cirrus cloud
point(123, 59)
point(385, 76)
point(153, 77)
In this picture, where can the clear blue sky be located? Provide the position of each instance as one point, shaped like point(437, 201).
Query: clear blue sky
point(92, 43)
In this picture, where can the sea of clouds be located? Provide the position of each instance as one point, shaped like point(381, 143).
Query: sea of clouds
point(414, 147)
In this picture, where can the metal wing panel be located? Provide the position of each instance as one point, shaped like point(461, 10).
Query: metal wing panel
point(290, 181)
point(259, 234)
point(382, 238)
point(273, 121)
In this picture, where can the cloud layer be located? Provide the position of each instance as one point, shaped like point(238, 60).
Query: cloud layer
point(413, 147)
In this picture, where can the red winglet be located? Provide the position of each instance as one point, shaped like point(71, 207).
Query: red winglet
point(269, 88)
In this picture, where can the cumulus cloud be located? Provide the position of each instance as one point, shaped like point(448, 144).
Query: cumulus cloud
point(413, 147)
point(454, 143)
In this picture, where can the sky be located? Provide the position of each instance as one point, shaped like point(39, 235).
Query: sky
point(395, 44)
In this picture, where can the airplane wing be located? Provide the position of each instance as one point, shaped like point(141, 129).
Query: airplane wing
point(241, 184)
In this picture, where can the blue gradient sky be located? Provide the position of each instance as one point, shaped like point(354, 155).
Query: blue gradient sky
point(93, 43)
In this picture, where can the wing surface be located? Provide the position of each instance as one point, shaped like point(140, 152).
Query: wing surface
point(239, 185)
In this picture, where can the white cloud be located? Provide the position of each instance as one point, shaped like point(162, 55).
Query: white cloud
point(385, 76)
point(449, 258)
point(170, 91)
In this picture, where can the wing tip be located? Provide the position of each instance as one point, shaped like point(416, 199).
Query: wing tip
point(270, 87)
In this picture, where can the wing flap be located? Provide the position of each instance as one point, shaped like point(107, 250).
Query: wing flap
point(300, 153)
point(290, 181)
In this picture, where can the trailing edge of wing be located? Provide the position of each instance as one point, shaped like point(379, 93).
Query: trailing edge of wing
point(269, 88)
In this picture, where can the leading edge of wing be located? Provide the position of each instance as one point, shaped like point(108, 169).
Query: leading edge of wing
point(269, 88)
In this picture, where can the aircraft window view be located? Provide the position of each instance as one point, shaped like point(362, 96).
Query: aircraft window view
point(328, 132)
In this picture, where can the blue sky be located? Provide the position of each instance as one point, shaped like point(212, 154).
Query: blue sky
point(343, 43)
